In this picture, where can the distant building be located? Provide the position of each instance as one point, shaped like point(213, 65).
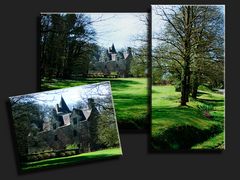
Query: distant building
point(115, 63)
point(112, 53)
point(66, 127)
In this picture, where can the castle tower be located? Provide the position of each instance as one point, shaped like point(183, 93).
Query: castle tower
point(62, 113)
point(113, 53)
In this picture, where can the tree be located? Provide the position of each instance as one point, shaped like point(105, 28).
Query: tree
point(188, 37)
point(28, 118)
point(66, 44)
point(139, 62)
point(107, 130)
point(209, 49)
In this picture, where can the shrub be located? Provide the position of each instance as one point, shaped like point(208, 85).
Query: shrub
point(73, 152)
point(34, 158)
point(62, 154)
point(71, 146)
point(46, 155)
point(52, 155)
point(40, 156)
point(204, 109)
point(68, 153)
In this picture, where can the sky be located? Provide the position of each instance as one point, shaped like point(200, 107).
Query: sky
point(118, 28)
point(71, 95)
point(158, 24)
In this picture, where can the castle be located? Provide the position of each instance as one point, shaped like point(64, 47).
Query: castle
point(115, 63)
point(66, 127)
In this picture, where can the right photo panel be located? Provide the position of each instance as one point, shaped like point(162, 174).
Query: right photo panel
point(188, 88)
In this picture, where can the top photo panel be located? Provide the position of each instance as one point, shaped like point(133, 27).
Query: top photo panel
point(188, 92)
point(84, 48)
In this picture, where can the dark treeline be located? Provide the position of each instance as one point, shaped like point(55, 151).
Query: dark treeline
point(67, 44)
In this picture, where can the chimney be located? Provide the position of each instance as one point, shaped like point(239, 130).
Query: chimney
point(91, 103)
point(57, 108)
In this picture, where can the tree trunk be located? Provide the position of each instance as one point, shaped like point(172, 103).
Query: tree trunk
point(185, 83)
point(194, 90)
point(195, 85)
point(185, 88)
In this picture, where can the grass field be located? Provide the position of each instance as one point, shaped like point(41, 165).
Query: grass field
point(62, 161)
point(129, 94)
point(183, 128)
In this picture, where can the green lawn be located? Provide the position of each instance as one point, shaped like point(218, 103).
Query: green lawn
point(180, 128)
point(129, 94)
point(61, 161)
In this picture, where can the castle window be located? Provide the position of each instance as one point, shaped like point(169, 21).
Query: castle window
point(54, 126)
point(55, 138)
point(75, 120)
point(74, 133)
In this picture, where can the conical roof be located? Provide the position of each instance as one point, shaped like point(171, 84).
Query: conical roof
point(63, 105)
point(113, 50)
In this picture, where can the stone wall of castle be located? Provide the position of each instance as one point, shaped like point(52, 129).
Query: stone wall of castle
point(58, 139)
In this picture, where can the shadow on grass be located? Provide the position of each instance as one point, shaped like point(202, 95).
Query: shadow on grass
point(182, 137)
point(131, 111)
point(214, 102)
point(199, 93)
point(180, 128)
point(116, 83)
point(177, 113)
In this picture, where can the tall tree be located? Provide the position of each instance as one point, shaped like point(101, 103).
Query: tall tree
point(66, 43)
point(189, 36)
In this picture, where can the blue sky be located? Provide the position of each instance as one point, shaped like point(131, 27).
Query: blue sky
point(118, 28)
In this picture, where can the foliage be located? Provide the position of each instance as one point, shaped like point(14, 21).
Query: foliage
point(139, 62)
point(66, 45)
point(27, 119)
point(71, 146)
point(107, 131)
point(205, 107)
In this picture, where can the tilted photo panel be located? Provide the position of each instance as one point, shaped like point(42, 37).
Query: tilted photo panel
point(83, 48)
point(65, 126)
